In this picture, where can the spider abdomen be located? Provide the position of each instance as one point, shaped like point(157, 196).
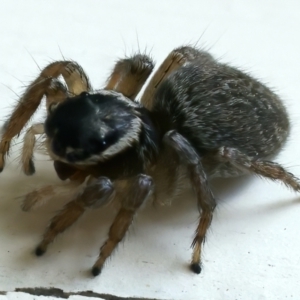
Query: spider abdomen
point(214, 105)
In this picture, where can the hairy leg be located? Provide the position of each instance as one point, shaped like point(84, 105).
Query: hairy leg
point(76, 80)
point(130, 74)
point(41, 195)
point(205, 198)
point(28, 148)
point(268, 169)
point(132, 193)
point(95, 195)
point(55, 92)
point(177, 58)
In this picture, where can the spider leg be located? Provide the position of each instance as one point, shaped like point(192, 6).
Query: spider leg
point(76, 80)
point(205, 198)
point(97, 194)
point(177, 58)
point(42, 195)
point(260, 167)
point(129, 75)
point(21, 114)
point(28, 147)
point(55, 92)
point(134, 194)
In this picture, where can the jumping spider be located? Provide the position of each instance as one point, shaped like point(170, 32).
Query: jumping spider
point(197, 119)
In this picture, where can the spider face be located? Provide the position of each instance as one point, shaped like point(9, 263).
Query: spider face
point(90, 128)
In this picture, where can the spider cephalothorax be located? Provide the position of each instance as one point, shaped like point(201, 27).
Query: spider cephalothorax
point(197, 119)
point(90, 128)
point(103, 130)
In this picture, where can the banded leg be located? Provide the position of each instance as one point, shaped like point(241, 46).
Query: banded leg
point(76, 80)
point(205, 198)
point(133, 194)
point(95, 195)
point(129, 75)
point(268, 169)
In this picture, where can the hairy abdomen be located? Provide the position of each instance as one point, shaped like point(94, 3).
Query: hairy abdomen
point(214, 105)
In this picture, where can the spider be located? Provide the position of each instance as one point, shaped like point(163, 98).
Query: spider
point(197, 119)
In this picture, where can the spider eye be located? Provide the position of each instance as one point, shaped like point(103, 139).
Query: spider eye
point(52, 107)
point(84, 94)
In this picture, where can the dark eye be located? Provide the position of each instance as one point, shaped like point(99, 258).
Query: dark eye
point(84, 94)
point(112, 137)
point(97, 145)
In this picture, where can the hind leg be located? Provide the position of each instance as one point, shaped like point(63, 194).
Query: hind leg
point(268, 169)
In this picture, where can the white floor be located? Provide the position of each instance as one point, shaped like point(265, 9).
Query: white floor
point(252, 251)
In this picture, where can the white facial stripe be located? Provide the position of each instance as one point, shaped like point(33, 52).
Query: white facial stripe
point(131, 136)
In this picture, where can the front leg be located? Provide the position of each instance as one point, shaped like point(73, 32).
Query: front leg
point(45, 84)
point(95, 195)
point(176, 59)
point(55, 92)
point(133, 193)
point(129, 75)
point(205, 197)
point(28, 147)
point(41, 195)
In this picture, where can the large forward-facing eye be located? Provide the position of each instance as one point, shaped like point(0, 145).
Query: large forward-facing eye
point(97, 144)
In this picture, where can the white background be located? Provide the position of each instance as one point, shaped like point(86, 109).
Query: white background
point(252, 250)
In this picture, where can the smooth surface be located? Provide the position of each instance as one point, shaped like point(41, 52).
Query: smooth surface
point(252, 249)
